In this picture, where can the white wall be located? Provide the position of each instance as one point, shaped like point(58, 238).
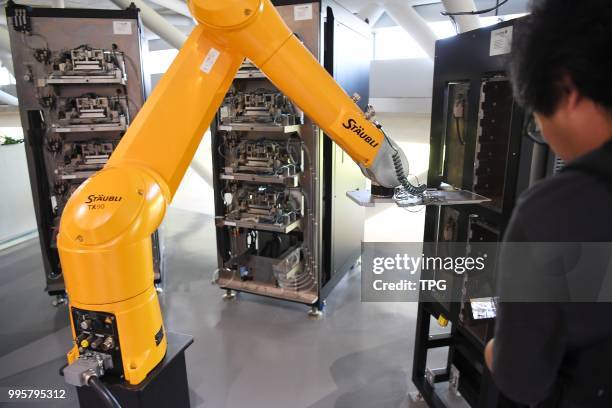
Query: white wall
point(17, 218)
point(401, 85)
point(400, 91)
point(195, 193)
point(16, 208)
point(388, 222)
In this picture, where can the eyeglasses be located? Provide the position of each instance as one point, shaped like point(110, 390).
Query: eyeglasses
point(532, 130)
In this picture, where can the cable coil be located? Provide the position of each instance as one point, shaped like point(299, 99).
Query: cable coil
point(401, 176)
point(408, 187)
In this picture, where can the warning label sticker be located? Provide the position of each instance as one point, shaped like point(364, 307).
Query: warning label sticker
point(501, 41)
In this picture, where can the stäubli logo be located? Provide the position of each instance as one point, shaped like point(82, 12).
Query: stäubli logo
point(93, 198)
point(352, 125)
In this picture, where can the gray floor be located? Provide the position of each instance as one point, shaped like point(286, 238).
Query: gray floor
point(252, 352)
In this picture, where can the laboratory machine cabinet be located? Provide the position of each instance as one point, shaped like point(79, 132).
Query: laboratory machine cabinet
point(284, 226)
point(481, 141)
point(80, 83)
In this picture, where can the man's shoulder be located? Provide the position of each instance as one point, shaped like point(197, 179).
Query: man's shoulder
point(566, 202)
point(555, 190)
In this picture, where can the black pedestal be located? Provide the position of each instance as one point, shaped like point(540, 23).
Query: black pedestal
point(165, 386)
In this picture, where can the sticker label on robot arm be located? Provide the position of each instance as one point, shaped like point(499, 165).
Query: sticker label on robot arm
point(501, 41)
point(302, 12)
point(210, 60)
point(122, 27)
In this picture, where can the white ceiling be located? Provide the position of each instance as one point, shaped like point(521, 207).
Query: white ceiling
point(356, 5)
point(434, 6)
point(428, 9)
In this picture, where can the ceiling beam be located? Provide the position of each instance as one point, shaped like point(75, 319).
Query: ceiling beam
point(466, 22)
point(178, 6)
point(8, 99)
point(406, 17)
point(156, 23)
point(413, 24)
point(371, 12)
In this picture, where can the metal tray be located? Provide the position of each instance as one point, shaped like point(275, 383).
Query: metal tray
point(259, 127)
point(432, 197)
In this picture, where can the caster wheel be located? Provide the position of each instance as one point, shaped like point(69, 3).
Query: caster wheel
point(229, 295)
point(59, 300)
point(416, 398)
point(315, 312)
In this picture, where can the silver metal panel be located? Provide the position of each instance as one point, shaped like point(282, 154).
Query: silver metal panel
point(84, 80)
point(432, 197)
point(351, 62)
point(252, 127)
point(88, 128)
point(282, 228)
point(245, 75)
point(347, 218)
point(290, 181)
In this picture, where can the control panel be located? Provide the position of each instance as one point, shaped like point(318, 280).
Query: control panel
point(96, 333)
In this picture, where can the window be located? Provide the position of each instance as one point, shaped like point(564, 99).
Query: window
point(395, 43)
point(158, 62)
point(445, 29)
point(12, 132)
point(442, 29)
point(6, 78)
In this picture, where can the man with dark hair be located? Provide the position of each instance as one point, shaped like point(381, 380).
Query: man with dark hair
point(560, 354)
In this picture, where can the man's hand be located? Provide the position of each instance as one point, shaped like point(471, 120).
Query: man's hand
point(488, 354)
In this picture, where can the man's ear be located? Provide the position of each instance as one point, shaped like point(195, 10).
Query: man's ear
point(570, 96)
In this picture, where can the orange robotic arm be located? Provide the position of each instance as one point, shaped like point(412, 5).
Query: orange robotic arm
point(105, 232)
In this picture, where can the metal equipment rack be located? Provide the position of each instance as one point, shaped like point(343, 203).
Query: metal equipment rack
point(285, 228)
point(478, 143)
point(79, 82)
